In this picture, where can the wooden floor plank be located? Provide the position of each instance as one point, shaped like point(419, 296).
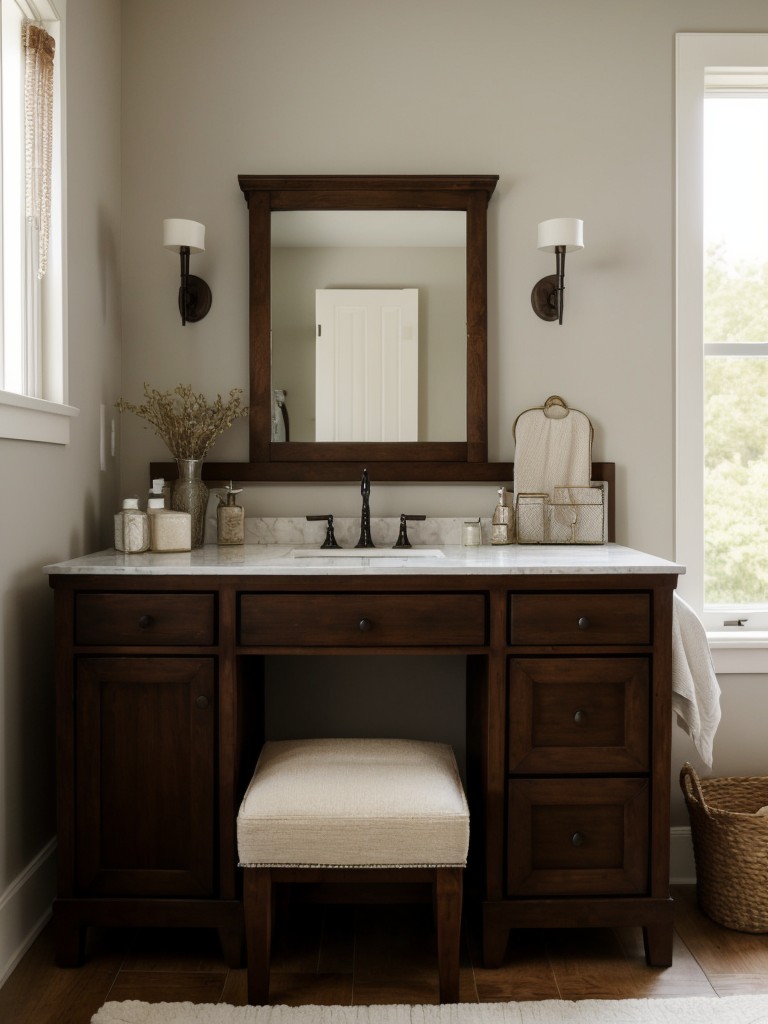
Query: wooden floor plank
point(169, 986)
point(383, 954)
point(590, 963)
point(719, 950)
point(526, 972)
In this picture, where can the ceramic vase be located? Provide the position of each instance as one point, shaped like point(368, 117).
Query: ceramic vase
point(190, 494)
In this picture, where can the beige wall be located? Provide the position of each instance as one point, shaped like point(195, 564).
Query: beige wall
point(56, 500)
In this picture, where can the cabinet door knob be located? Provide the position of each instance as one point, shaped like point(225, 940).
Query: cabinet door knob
point(145, 621)
point(583, 622)
point(365, 625)
point(577, 839)
point(202, 702)
point(580, 717)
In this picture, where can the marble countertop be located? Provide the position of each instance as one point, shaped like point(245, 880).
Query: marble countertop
point(453, 560)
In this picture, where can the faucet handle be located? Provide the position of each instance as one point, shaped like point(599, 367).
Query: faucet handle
point(330, 537)
point(402, 539)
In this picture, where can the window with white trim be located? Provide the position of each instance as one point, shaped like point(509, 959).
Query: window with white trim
point(33, 377)
point(722, 329)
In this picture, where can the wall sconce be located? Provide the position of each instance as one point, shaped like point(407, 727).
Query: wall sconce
point(561, 235)
point(184, 237)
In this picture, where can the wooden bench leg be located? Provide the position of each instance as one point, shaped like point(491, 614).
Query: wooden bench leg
point(448, 898)
point(257, 906)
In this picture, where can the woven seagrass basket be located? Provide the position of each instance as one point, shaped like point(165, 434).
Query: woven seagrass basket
point(730, 845)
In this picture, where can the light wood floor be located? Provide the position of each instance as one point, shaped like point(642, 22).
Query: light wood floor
point(383, 954)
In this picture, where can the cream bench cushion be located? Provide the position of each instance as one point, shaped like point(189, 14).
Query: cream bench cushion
point(354, 803)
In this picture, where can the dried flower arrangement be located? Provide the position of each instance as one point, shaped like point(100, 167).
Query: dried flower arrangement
point(187, 423)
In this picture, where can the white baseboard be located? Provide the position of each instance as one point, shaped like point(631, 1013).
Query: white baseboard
point(682, 868)
point(25, 908)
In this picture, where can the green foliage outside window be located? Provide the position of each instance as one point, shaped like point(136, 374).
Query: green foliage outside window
point(735, 435)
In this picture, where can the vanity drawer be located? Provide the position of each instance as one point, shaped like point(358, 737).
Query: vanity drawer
point(579, 619)
point(363, 620)
point(577, 837)
point(578, 715)
point(145, 620)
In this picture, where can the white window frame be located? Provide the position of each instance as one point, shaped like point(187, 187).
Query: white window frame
point(739, 649)
point(46, 416)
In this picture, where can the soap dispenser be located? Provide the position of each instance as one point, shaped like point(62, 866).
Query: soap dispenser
point(230, 518)
point(501, 527)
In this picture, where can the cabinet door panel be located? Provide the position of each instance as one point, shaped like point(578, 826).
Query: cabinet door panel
point(570, 837)
point(145, 775)
point(578, 715)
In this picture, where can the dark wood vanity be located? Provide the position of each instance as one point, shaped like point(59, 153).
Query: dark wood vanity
point(161, 683)
point(160, 692)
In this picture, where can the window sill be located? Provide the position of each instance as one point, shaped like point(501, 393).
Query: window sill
point(33, 419)
point(742, 653)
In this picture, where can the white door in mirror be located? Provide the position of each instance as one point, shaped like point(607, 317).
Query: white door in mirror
point(367, 364)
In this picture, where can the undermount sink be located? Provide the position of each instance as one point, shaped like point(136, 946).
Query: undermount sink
point(366, 553)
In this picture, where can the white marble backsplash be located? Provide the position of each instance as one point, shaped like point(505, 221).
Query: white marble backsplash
point(431, 532)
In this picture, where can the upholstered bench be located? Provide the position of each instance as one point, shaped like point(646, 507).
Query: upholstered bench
point(353, 810)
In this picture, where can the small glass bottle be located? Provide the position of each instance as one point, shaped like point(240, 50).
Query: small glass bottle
point(168, 531)
point(501, 527)
point(131, 528)
point(470, 533)
point(230, 518)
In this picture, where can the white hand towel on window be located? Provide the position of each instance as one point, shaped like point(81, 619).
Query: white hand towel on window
point(695, 690)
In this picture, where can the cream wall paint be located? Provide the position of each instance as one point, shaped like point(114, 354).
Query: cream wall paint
point(574, 111)
point(56, 500)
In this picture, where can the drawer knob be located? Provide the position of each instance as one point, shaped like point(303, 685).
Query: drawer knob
point(365, 625)
point(580, 717)
point(577, 839)
point(583, 622)
point(145, 621)
point(202, 702)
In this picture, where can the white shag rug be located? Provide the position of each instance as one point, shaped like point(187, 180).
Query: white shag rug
point(696, 1010)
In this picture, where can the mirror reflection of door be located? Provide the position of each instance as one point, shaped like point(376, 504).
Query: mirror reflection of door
point(367, 364)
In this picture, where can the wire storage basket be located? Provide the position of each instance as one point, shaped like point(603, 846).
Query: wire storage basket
point(730, 845)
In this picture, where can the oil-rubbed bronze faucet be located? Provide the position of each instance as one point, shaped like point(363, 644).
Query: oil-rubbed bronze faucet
point(365, 516)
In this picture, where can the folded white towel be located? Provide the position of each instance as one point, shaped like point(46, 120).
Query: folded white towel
point(695, 690)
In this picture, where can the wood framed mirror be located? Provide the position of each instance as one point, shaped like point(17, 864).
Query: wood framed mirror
point(422, 459)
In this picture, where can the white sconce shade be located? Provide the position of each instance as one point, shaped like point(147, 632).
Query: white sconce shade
point(177, 233)
point(565, 231)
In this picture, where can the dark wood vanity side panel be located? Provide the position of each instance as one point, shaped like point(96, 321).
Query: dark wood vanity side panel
point(64, 630)
point(661, 734)
point(227, 746)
